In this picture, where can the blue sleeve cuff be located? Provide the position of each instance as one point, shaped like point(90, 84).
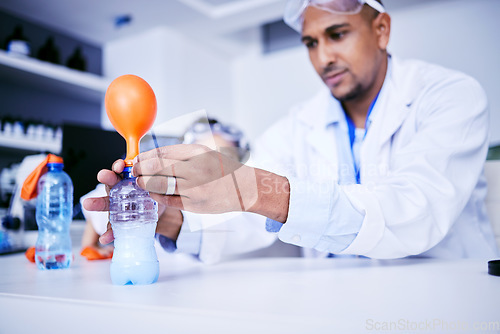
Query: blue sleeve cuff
point(273, 225)
point(166, 243)
point(188, 241)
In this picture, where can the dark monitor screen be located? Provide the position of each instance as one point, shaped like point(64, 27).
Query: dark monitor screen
point(87, 150)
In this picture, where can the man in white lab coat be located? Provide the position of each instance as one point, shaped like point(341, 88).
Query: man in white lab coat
point(386, 161)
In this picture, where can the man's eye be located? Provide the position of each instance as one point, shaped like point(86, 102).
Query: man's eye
point(337, 35)
point(310, 44)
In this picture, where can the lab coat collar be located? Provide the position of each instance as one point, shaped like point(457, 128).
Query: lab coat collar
point(328, 110)
point(393, 104)
point(321, 111)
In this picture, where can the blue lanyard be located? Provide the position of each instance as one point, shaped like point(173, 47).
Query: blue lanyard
point(352, 135)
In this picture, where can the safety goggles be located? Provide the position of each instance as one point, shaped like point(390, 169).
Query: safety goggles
point(294, 10)
point(197, 130)
point(230, 133)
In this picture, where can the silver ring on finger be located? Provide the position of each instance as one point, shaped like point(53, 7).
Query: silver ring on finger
point(171, 183)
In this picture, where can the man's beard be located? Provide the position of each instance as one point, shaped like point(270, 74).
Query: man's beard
point(353, 94)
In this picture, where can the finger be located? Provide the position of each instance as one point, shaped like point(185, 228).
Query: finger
point(118, 166)
point(155, 166)
point(107, 236)
point(106, 251)
point(108, 177)
point(159, 184)
point(173, 201)
point(96, 204)
point(174, 152)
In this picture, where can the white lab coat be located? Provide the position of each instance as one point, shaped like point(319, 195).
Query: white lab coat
point(422, 185)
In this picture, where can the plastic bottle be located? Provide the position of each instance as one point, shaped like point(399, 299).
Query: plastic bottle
point(17, 43)
point(77, 61)
point(133, 215)
point(54, 212)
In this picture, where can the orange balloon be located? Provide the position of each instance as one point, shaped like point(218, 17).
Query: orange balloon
point(131, 107)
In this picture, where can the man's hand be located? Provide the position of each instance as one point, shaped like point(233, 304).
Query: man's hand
point(206, 182)
point(210, 182)
point(169, 219)
point(108, 178)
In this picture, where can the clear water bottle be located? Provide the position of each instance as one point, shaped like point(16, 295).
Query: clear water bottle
point(133, 215)
point(54, 212)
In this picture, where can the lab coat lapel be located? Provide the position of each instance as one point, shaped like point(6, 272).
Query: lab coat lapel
point(391, 115)
point(394, 104)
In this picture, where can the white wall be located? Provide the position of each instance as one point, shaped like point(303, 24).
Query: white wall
point(459, 34)
point(265, 87)
point(184, 76)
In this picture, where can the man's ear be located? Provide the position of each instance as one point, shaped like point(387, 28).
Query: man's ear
point(382, 27)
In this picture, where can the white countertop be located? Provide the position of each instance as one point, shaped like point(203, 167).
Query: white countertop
point(266, 295)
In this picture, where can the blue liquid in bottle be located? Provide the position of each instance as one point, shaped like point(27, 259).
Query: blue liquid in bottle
point(133, 215)
point(54, 212)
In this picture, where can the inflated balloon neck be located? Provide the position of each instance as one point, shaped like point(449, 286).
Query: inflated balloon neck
point(132, 149)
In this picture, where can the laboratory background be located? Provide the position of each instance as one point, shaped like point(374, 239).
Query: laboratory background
point(234, 59)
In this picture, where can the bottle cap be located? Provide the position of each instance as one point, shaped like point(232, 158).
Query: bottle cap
point(494, 267)
point(54, 159)
point(29, 189)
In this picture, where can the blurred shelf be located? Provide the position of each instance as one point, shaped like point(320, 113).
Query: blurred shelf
point(28, 144)
point(32, 72)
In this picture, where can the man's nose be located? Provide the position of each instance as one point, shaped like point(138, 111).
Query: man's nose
point(326, 55)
